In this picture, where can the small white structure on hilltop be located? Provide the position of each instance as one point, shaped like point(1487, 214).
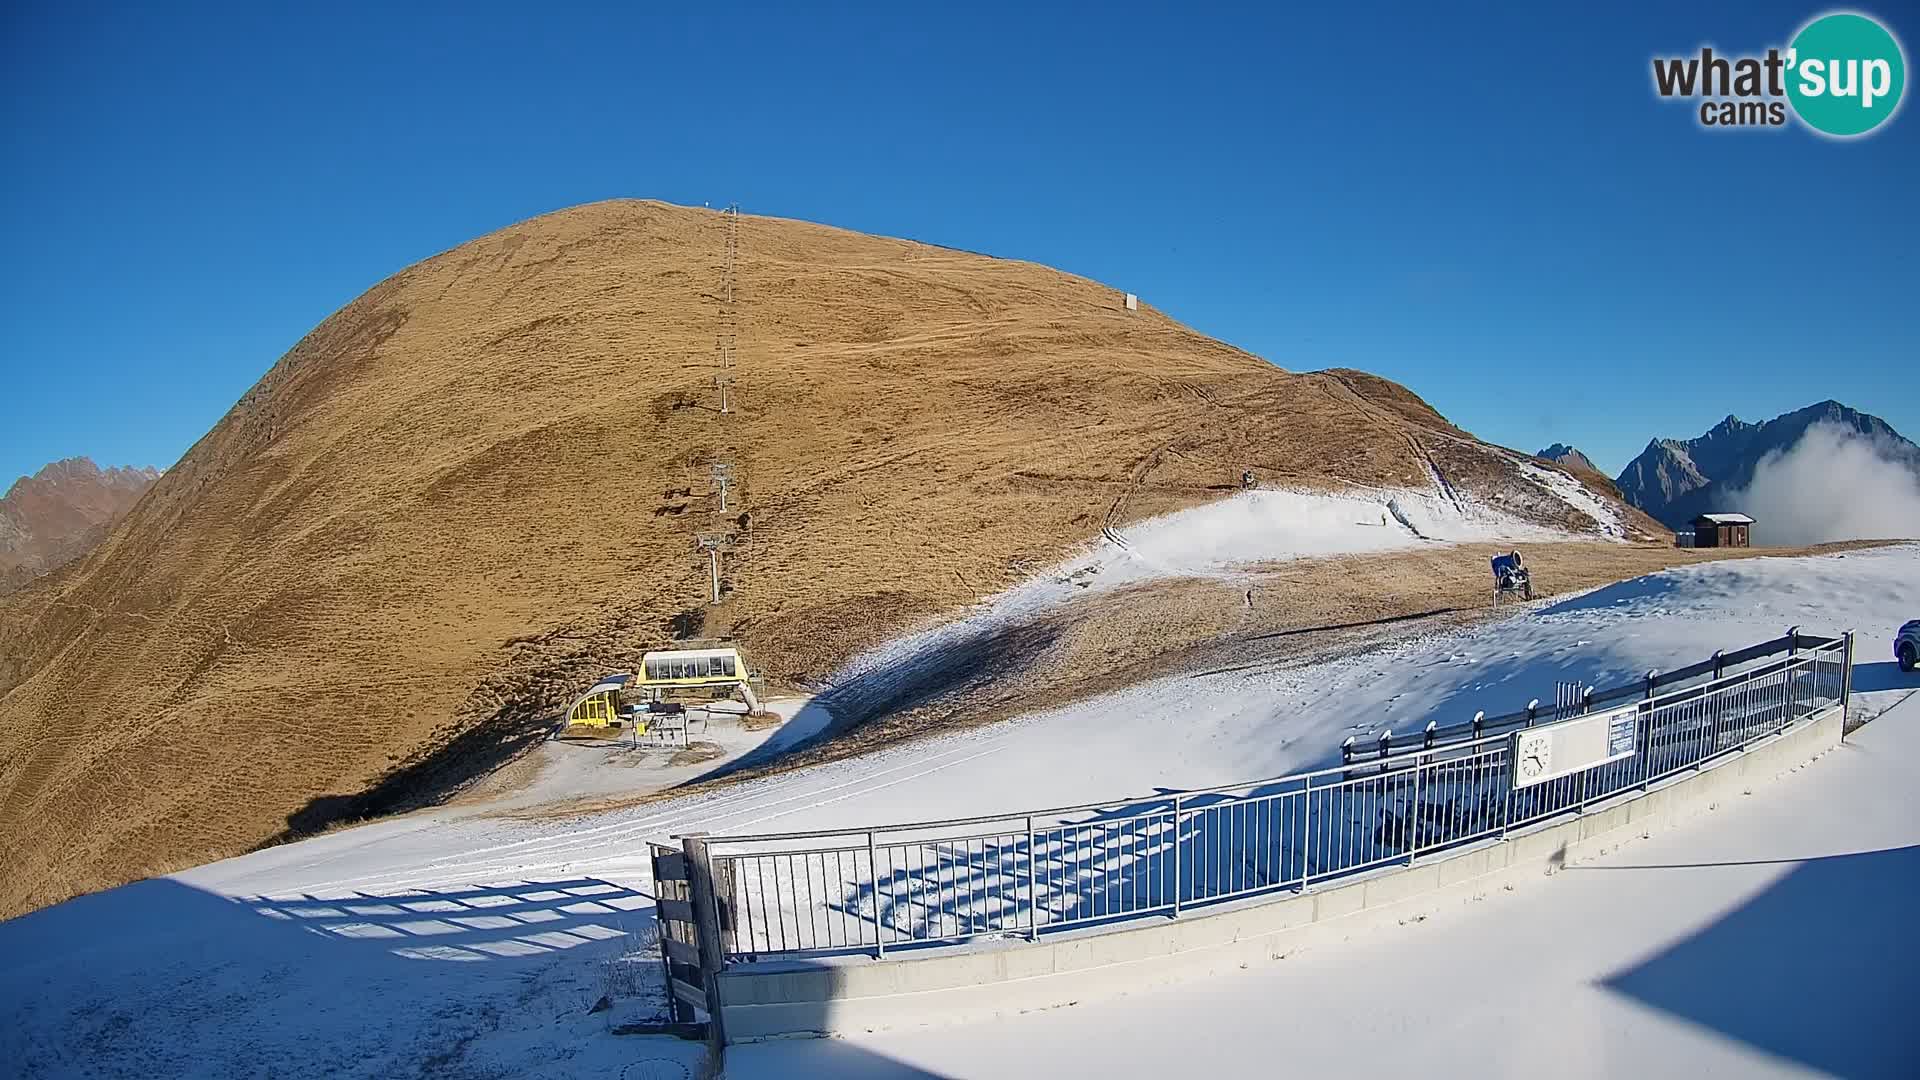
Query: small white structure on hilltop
point(1133, 302)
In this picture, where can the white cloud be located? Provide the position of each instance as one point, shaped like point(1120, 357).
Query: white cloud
point(1834, 484)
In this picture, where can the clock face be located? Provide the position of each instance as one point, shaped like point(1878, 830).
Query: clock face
point(1535, 757)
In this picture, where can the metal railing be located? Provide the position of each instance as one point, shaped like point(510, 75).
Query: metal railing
point(1390, 743)
point(1022, 875)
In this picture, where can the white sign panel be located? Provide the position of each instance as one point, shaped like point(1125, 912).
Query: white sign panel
point(1551, 751)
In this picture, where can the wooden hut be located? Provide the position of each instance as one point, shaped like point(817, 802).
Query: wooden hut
point(1721, 530)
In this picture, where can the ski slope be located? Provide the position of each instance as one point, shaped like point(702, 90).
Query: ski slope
point(1222, 539)
point(479, 943)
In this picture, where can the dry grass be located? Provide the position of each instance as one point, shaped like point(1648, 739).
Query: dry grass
point(476, 487)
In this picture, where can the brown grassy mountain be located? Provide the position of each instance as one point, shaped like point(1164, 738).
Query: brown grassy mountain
point(480, 483)
point(59, 513)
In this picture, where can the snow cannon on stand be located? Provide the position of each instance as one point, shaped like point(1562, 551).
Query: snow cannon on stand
point(1510, 578)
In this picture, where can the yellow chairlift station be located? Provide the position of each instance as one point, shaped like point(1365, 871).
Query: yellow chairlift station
point(599, 707)
point(721, 670)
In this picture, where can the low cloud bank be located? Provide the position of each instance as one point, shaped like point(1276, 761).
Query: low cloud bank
point(1834, 484)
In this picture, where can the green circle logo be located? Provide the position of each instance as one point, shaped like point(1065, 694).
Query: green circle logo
point(1845, 74)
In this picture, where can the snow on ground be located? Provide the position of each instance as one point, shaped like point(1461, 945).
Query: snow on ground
point(1772, 938)
point(1221, 540)
point(1577, 495)
point(462, 945)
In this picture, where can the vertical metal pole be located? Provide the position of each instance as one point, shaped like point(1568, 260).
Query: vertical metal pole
point(873, 867)
point(1306, 833)
point(1033, 885)
point(1646, 747)
point(1506, 797)
point(1178, 875)
point(706, 917)
point(1413, 838)
point(713, 569)
point(1846, 679)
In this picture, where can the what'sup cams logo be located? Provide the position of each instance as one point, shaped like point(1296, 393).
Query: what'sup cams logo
point(1843, 75)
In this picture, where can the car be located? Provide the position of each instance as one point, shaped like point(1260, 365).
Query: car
point(1906, 646)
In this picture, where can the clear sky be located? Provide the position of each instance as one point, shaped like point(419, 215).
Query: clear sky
point(1487, 204)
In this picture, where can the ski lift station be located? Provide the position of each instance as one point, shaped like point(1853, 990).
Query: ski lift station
point(712, 673)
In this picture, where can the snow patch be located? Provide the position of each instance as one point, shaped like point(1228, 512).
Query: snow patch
point(1220, 541)
point(1581, 498)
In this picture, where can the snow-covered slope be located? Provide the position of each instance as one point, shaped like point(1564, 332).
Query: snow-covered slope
point(1221, 540)
point(457, 938)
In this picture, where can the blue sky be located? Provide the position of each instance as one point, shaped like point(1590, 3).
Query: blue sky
point(1489, 205)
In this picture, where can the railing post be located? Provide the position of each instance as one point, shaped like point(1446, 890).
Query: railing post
point(873, 867)
point(706, 919)
point(1178, 875)
point(1586, 706)
point(1306, 830)
point(1646, 745)
point(1506, 794)
point(1846, 679)
point(1413, 833)
point(1033, 885)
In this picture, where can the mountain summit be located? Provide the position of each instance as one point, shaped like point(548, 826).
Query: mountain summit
point(1562, 454)
point(480, 485)
point(60, 513)
point(1675, 479)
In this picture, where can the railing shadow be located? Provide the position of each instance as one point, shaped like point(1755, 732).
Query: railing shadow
point(493, 923)
point(162, 978)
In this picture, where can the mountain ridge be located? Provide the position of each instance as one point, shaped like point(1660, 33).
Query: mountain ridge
point(1673, 480)
point(61, 512)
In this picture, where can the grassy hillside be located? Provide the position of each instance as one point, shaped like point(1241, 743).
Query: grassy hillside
point(479, 484)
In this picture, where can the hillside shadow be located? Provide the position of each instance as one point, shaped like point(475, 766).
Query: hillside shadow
point(436, 776)
point(1646, 587)
point(944, 665)
point(1818, 968)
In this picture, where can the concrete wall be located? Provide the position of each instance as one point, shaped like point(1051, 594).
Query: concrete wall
point(844, 994)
